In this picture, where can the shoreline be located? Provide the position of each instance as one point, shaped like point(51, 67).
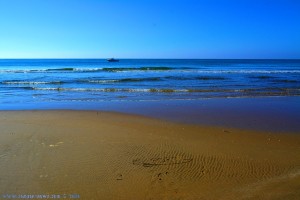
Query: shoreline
point(152, 118)
point(280, 114)
point(118, 156)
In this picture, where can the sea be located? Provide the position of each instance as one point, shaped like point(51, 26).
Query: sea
point(68, 80)
point(261, 94)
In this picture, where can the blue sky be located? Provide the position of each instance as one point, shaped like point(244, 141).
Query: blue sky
point(150, 29)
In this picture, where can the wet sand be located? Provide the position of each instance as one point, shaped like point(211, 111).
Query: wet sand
point(101, 155)
point(276, 114)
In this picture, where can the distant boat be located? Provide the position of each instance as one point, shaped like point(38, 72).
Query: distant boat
point(112, 60)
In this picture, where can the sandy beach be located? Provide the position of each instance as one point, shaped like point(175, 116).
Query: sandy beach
point(104, 155)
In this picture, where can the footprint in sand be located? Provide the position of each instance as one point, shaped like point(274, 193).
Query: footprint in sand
point(119, 177)
point(161, 175)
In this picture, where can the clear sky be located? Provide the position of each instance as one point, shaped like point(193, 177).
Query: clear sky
point(150, 28)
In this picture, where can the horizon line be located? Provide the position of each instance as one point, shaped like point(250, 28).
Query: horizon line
point(152, 58)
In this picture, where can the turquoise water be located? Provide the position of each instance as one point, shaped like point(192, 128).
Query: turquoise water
point(93, 80)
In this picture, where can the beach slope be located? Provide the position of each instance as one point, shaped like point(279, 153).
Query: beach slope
point(101, 155)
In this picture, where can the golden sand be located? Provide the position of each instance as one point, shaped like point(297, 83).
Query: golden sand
point(100, 155)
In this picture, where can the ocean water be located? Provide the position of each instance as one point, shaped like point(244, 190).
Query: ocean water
point(94, 80)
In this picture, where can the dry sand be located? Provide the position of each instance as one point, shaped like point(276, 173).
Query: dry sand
point(102, 155)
